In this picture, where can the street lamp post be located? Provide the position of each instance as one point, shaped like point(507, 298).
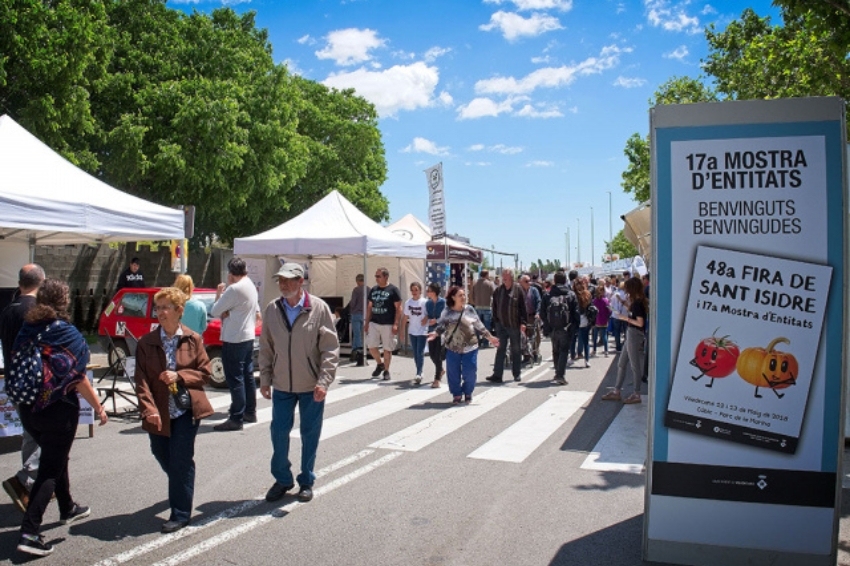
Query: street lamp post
point(610, 231)
point(592, 240)
point(578, 241)
point(567, 234)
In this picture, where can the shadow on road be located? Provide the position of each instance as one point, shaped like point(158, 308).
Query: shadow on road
point(619, 544)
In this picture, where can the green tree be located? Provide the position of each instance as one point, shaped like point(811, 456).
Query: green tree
point(194, 111)
point(345, 151)
point(51, 54)
point(678, 90)
point(752, 59)
point(621, 245)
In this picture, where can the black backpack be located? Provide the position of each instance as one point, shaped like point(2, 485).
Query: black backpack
point(558, 313)
point(591, 312)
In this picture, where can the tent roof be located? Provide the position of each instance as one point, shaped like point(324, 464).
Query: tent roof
point(46, 197)
point(638, 229)
point(332, 226)
point(411, 228)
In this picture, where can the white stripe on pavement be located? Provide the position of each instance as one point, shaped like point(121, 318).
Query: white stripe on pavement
point(430, 430)
point(230, 534)
point(374, 411)
point(623, 446)
point(518, 441)
point(164, 540)
point(264, 415)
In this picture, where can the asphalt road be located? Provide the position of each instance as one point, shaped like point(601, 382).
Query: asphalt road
point(530, 473)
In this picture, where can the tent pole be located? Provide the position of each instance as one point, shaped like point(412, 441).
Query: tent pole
point(365, 300)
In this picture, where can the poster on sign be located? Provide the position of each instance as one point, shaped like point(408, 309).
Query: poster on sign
point(748, 348)
point(746, 332)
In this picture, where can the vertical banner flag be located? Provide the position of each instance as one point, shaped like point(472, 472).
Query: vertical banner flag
point(436, 202)
point(749, 302)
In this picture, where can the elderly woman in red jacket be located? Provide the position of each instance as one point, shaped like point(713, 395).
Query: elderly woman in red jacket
point(172, 368)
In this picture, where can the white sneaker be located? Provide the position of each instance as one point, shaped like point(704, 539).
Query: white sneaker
point(418, 379)
point(586, 364)
point(570, 362)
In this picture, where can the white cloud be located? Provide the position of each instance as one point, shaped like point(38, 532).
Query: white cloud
point(541, 59)
point(679, 53)
point(504, 149)
point(292, 67)
point(350, 46)
point(482, 106)
point(529, 111)
point(552, 77)
point(620, 8)
point(661, 14)
point(445, 99)
point(432, 54)
point(514, 26)
point(422, 145)
point(404, 55)
point(522, 5)
point(478, 163)
point(476, 147)
point(573, 110)
point(304, 39)
point(401, 87)
point(709, 9)
point(540, 164)
point(627, 82)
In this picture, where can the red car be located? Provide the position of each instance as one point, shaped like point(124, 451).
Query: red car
point(132, 309)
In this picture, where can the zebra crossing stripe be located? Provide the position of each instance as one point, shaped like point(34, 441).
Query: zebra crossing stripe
point(264, 415)
point(423, 433)
point(623, 446)
point(365, 415)
point(519, 440)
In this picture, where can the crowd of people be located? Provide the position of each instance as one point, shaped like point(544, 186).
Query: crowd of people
point(46, 361)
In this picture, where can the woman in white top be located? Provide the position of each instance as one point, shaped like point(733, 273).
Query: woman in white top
point(414, 313)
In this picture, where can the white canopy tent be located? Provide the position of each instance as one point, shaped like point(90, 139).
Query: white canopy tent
point(336, 241)
point(47, 200)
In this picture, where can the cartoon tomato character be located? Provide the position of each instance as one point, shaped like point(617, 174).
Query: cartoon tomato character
point(715, 357)
point(768, 367)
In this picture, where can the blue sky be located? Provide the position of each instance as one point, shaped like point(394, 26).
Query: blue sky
point(527, 103)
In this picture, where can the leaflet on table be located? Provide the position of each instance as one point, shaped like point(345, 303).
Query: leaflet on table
point(749, 347)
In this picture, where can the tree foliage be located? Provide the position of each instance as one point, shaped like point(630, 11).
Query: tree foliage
point(621, 245)
point(186, 109)
point(752, 59)
point(51, 55)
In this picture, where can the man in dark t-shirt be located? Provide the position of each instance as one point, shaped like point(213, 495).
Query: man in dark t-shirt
point(30, 279)
point(383, 311)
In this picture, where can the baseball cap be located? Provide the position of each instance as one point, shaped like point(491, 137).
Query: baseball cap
point(289, 271)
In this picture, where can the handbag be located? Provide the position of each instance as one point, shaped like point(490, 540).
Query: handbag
point(182, 399)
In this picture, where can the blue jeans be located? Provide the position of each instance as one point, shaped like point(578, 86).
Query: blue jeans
point(311, 413)
point(462, 372)
point(584, 342)
point(176, 457)
point(238, 361)
point(418, 345)
point(506, 334)
point(357, 331)
point(600, 331)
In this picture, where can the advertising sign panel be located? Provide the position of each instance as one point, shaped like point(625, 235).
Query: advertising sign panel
point(747, 332)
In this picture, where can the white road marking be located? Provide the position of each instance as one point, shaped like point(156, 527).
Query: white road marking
point(423, 433)
point(374, 411)
point(264, 415)
point(164, 540)
point(518, 441)
point(623, 446)
point(230, 534)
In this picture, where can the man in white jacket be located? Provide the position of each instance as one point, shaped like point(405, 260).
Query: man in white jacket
point(299, 355)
